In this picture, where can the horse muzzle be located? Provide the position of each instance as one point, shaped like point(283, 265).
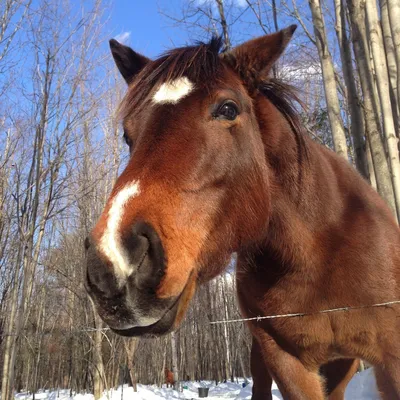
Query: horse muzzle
point(124, 291)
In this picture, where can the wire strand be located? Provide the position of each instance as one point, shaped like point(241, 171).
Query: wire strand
point(291, 315)
point(228, 321)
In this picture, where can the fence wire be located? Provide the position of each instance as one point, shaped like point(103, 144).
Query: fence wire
point(230, 321)
point(292, 315)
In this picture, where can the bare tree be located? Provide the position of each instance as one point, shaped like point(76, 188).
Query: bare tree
point(356, 114)
point(328, 72)
point(370, 105)
point(130, 346)
point(174, 352)
point(224, 24)
point(394, 18)
point(38, 191)
point(12, 15)
point(381, 71)
point(391, 59)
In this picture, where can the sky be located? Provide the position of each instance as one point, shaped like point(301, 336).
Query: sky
point(140, 25)
point(144, 25)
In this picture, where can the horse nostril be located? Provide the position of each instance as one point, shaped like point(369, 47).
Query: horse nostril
point(101, 278)
point(136, 245)
point(147, 254)
point(144, 264)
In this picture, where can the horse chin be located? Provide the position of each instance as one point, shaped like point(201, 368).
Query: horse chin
point(159, 328)
point(170, 320)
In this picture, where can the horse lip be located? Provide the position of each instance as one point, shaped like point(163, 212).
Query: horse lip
point(151, 330)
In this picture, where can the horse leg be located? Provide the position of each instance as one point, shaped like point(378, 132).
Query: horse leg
point(388, 378)
point(295, 381)
point(338, 374)
point(262, 380)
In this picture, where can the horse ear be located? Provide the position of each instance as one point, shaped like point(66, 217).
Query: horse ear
point(129, 62)
point(255, 58)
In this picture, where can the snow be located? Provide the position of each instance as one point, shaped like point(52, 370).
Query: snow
point(361, 387)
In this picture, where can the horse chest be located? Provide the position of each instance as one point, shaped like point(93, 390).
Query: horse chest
point(310, 337)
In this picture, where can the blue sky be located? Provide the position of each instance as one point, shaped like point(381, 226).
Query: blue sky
point(150, 32)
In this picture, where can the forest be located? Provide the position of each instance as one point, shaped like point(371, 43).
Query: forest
point(61, 149)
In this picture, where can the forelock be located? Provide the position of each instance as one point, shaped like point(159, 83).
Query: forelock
point(200, 64)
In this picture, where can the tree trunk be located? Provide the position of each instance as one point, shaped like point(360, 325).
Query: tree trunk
point(328, 72)
point(382, 79)
point(130, 346)
point(98, 367)
point(228, 357)
point(357, 121)
point(394, 18)
point(174, 361)
point(39, 336)
point(372, 178)
point(6, 382)
point(276, 28)
point(224, 24)
point(391, 61)
point(360, 46)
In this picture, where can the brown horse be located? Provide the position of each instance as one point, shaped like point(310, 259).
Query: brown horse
point(220, 164)
point(169, 377)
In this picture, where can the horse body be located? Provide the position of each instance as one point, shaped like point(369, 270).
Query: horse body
point(219, 164)
point(317, 259)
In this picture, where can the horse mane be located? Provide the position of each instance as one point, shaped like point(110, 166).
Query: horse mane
point(284, 96)
point(201, 63)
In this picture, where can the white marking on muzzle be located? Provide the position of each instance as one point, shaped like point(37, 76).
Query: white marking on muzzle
point(173, 91)
point(110, 243)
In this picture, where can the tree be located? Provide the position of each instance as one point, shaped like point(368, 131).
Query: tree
point(41, 174)
point(394, 18)
point(391, 60)
point(332, 101)
point(356, 115)
point(370, 105)
point(382, 79)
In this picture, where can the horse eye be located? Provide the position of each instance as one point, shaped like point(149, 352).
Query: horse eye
point(228, 110)
point(127, 140)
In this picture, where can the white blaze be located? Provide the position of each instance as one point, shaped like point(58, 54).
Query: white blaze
point(110, 243)
point(173, 91)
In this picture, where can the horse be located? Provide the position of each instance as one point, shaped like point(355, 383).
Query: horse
point(169, 377)
point(220, 164)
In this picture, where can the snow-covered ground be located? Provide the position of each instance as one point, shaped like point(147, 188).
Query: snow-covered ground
point(362, 387)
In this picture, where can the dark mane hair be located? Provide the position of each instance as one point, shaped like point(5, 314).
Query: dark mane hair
point(284, 96)
point(201, 63)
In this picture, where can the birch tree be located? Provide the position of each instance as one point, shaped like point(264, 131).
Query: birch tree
point(391, 60)
point(356, 115)
point(379, 59)
point(328, 73)
point(370, 106)
point(394, 18)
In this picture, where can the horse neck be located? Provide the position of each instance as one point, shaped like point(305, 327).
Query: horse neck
point(293, 188)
